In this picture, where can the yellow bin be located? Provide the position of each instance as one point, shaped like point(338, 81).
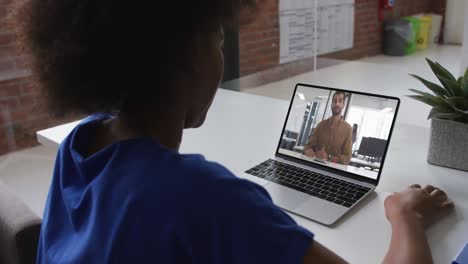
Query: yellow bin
point(422, 40)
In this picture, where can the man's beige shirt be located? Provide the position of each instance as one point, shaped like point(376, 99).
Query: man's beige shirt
point(335, 141)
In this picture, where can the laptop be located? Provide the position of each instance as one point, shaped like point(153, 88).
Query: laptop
point(318, 171)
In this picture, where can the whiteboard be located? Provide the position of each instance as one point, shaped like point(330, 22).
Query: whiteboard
point(309, 27)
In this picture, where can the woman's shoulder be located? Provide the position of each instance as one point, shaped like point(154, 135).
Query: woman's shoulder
point(192, 182)
point(188, 173)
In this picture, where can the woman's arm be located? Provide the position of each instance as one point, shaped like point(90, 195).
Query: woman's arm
point(408, 243)
point(409, 213)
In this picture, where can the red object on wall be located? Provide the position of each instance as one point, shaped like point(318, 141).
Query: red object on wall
point(385, 5)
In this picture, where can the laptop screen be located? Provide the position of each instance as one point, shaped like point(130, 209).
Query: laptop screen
point(344, 130)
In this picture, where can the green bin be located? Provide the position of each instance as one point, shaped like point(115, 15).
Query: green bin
point(412, 44)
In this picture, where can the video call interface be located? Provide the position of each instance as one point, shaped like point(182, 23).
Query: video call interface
point(343, 130)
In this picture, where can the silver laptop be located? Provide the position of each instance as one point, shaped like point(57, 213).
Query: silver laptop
point(331, 151)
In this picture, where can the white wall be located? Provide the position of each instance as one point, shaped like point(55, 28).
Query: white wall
point(454, 19)
point(464, 60)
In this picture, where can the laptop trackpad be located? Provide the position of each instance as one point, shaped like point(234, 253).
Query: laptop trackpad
point(285, 197)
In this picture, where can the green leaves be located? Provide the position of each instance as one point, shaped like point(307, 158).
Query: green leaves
point(427, 98)
point(449, 101)
point(451, 86)
point(459, 102)
point(464, 83)
point(439, 70)
point(430, 100)
point(432, 86)
point(435, 113)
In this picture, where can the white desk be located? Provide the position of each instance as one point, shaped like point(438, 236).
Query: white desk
point(242, 130)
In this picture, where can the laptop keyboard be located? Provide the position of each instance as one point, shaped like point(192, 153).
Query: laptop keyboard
point(321, 186)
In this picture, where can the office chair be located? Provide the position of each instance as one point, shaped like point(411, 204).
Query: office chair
point(372, 148)
point(19, 230)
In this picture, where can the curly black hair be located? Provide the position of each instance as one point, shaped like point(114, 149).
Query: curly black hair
point(107, 55)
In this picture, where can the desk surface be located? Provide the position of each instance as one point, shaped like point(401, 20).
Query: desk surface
point(242, 130)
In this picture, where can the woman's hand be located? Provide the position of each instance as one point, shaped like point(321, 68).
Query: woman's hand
point(427, 204)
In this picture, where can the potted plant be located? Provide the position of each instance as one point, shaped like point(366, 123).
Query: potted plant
point(448, 144)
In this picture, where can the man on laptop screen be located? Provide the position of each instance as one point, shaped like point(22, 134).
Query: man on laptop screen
point(320, 125)
point(331, 140)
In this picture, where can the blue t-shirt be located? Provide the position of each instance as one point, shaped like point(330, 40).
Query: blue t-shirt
point(136, 201)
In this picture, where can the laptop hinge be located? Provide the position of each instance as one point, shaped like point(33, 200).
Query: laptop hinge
point(327, 173)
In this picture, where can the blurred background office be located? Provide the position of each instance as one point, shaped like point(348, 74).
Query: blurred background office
point(290, 41)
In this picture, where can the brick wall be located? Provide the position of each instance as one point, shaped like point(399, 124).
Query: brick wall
point(259, 42)
point(439, 6)
point(9, 59)
point(22, 112)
